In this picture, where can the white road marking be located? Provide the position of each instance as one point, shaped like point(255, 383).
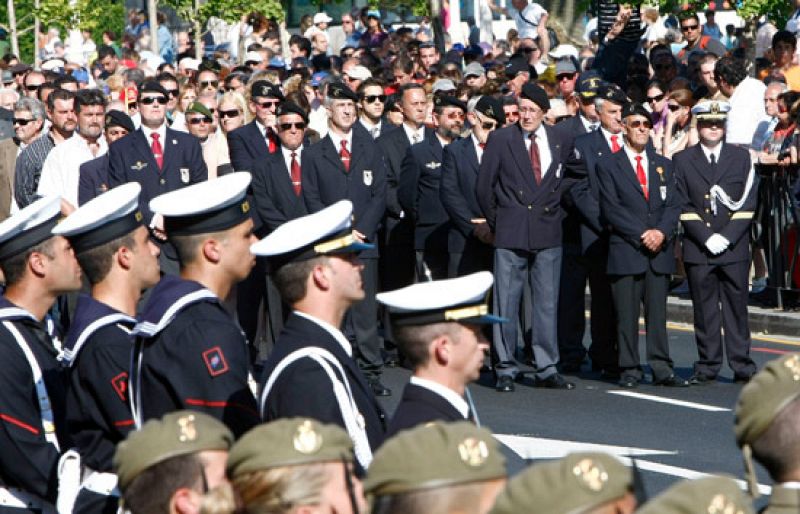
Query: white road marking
point(543, 448)
point(671, 401)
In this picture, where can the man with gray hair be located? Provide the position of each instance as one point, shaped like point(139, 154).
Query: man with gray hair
point(28, 122)
point(8, 97)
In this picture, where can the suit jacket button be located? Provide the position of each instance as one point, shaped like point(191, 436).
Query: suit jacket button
point(547, 209)
point(530, 207)
point(707, 197)
point(162, 181)
point(707, 211)
point(708, 224)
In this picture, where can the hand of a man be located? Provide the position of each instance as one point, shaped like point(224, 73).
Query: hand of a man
point(483, 233)
point(653, 239)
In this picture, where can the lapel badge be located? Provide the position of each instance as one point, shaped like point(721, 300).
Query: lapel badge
point(591, 474)
point(174, 141)
point(139, 165)
point(433, 165)
point(185, 175)
point(306, 440)
point(367, 177)
point(473, 452)
point(660, 172)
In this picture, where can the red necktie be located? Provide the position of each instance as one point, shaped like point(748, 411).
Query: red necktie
point(535, 160)
point(482, 145)
point(158, 152)
point(344, 153)
point(615, 144)
point(271, 143)
point(642, 177)
point(295, 174)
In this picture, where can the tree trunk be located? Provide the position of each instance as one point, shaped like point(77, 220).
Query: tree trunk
point(152, 14)
point(37, 59)
point(12, 28)
point(198, 36)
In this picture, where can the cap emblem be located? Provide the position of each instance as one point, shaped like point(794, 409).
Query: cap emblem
point(187, 428)
point(591, 474)
point(473, 452)
point(306, 439)
point(793, 364)
point(722, 505)
point(714, 108)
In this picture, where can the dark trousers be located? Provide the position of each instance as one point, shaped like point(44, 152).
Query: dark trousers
point(719, 297)
point(89, 502)
point(430, 265)
point(541, 269)
point(253, 293)
point(360, 324)
point(629, 292)
point(473, 259)
point(575, 271)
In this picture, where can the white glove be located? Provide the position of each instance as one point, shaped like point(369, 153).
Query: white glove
point(717, 244)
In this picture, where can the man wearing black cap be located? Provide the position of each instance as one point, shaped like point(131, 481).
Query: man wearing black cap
point(252, 142)
point(518, 73)
point(586, 119)
point(158, 158)
point(93, 178)
point(419, 188)
point(586, 244)
point(519, 188)
point(38, 267)
point(640, 204)
point(347, 164)
point(469, 241)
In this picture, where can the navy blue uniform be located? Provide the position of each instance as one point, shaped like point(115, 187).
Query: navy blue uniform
point(420, 405)
point(717, 280)
point(93, 179)
point(247, 146)
point(638, 275)
point(190, 354)
point(457, 193)
point(98, 349)
point(131, 160)
point(418, 194)
point(27, 460)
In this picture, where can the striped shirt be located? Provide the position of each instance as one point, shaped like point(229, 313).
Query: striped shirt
point(606, 12)
point(29, 169)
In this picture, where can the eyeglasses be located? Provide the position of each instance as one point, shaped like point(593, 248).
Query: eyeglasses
point(640, 123)
point(687, 28)
point(21, 121)
point(197, 121)
point(299, 125)
point(33, 87)
point(228, 114)
point(153, 99)
point(673, 107)
point(173, 92)
point(717, 124)
point(207, 83)
point(488, 125)
point(373, 98)
point(267, 105)
point(455, 115)
point(565, 76)
point(656, 98)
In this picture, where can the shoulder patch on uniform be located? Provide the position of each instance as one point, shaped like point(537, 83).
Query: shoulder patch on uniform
point(215, 361)
point(120, 385)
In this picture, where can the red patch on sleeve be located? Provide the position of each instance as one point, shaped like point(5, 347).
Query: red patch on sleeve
point(215, 361)
point(120, 385)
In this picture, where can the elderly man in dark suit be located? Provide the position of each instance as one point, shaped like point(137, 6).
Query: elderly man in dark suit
point(641, 204)
point(252, 142)
point(586, 120)
point(469, 241)
point(716, 243)
point(419, 188)
point(93, 179)
point(586, 246)
point(347, 165)
point(520, 185)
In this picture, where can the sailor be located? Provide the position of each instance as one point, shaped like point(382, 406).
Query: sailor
point(113, 249)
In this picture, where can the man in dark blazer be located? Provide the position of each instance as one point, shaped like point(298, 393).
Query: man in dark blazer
point(312, 371)
point(520, 187)
point(93, 179)
point(469, 241)
point(278, 198)
point(371, 105)
point(419, 188)
point(586, 120)
point(248, 144)
point(641, 204)
point(155, 156)
point(347, 165)
point(444, 348)
point(716, 243)
point(586, 246)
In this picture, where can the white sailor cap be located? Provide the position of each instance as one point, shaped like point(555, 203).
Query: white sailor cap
point(326, 232)
point(711, 110)
point(205, 207)
point(462, 299)
point(29, 227)
point(105, 218)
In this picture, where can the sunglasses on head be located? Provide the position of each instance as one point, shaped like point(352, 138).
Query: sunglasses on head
point(228, 114)
point(299, 125)
point(372, 98)
point(197, 121)
point(673, 107)
point(656, 98)
point(21, 121)
point(153, 99)
point(640, 123)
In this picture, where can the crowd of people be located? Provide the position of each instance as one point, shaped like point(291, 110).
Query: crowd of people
point(211, 261)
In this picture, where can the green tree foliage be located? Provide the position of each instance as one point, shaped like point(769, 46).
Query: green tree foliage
point(230, 11)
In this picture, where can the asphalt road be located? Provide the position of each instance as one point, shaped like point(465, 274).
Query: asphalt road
point(672, 433)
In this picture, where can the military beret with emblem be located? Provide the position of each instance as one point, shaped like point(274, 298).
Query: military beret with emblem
point(708, 495)
point(339, 91)
point(265, 89)
point(198, 108)
point(711, 110)
point(579, 482)
point(288, 442)
point(536, 94)
point(178, 433)
point(152, 86)
point(291, 108)
point(115, 118)
point(491, 108)
point(635, 109)
point(433, 456)
point(612, 93)
point(444, 100)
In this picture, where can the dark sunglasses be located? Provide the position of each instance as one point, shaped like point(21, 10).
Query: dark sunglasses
point(656, 98)
point(21, 121)
point(687, 28)
point(173, 92)
point(35, 87)
point(640, 123)
point(455, 115)
point(228, 114)
point(372, 98)
point(267, 105)
point(711, 123)
point(673, 107)
point(206, 83)
point(153, 99)
point(565, 76)
point(488, 125)
point(198, 121)
point(288, 126)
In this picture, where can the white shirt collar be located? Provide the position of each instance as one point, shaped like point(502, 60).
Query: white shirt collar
point(161, 131)
point(448, 394)
point(410, 133)
point(632, 158)
point(287, 157)
point(709, 151)
point(333, 331)
point(336, 139)
point(477, 145)
point(588, 125)
point(607, 135)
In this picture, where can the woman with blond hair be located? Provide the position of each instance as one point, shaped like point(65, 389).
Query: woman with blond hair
point(232, 111)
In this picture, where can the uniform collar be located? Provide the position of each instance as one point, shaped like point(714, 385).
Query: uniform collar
point(90, 316)
point(333, 331)
point(12, 312)
point(448, 394)
point(168, 298)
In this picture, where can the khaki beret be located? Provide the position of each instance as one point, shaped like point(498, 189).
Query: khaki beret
point(763, 398)
point(178, 433)
point(577, 483)
point(288, 442)
point(709, 495)
point(433, 456)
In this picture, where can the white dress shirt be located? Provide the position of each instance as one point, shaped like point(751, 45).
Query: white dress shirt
point(588, 125)
point(333, 331)
point(747, 111)
point(61, 170)
point(162, 133)
point(448, 394)
point(708, 152)
point(477, 146)
point(410, 133)
point(632, 158)
point(336, 139)
point(545, 157)
point(374, 130)
point(531, 14)
point(608, 135)
point(287, 157)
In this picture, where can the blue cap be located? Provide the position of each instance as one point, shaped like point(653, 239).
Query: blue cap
point(317, 77)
